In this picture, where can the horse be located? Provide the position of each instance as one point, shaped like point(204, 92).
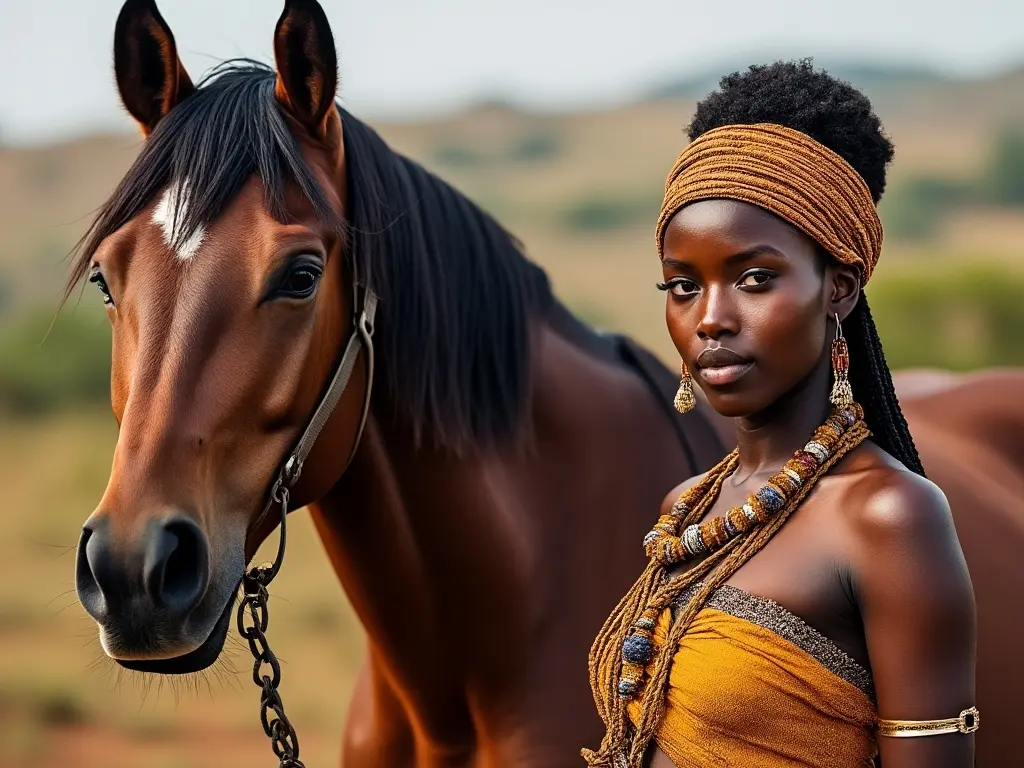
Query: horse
point(302, 317)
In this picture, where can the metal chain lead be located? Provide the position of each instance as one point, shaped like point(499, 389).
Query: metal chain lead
point(283, 739)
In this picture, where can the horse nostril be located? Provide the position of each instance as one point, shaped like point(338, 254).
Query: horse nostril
point(177, 569)
point(89, 562)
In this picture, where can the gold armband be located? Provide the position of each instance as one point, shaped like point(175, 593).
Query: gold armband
point(967, 722)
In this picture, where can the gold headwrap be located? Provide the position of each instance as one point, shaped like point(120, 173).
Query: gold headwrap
point(787, 173)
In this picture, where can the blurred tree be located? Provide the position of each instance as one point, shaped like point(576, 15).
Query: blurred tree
point(912, 209)
point(601, 211)
point(959, 319)
point(44, 369)
point(457, 156)
point(534, 147)
point(1004, 176)
point(5, 292)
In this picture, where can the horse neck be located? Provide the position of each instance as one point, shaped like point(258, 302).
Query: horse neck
point(401, 524)
point(432, 547)
point(426, 548)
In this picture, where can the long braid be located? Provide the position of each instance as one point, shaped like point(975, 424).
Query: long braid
point(873, 388)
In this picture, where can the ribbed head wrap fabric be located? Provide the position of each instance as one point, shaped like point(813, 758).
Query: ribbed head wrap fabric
point(787, 173)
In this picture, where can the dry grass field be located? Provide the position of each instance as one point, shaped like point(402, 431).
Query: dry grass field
point(61, 704)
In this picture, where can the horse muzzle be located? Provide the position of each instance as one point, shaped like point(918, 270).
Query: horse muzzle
point(154, 597)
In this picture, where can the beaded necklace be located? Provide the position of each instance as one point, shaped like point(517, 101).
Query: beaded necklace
point(679, 537)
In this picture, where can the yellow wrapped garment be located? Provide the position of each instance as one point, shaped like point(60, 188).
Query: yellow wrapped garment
point(752, 685)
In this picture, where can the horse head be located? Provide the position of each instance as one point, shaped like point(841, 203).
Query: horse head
point(221, 261)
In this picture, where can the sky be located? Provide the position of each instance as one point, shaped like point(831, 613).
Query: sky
point(408, 59)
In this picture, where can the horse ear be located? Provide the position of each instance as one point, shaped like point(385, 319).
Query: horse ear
point(307, 65)
point(150, 77)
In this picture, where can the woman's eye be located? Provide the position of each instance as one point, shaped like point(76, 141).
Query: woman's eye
point(755, 279)
point(301, 282)
point(97, 278)
point(679, 286)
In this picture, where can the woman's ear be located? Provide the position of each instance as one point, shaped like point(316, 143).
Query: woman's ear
point(844, 283)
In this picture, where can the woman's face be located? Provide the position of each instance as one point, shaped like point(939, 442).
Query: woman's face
point(749, 302)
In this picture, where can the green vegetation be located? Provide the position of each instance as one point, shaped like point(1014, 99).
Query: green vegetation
point(607, 211)
point(1004, 175)
point(44, 369)
point(913, 209)
point(958, 319)
point(535, 146)
point(457, 156)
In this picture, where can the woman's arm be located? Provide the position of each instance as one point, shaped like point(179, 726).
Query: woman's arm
point(917, 603)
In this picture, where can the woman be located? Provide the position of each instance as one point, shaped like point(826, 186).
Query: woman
point(806, 602)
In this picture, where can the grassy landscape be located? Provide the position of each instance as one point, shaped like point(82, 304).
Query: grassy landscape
point(582, 191)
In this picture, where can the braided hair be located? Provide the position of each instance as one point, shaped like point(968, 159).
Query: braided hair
point(836, 114)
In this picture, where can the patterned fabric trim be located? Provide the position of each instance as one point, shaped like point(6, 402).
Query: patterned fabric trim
point(769, 614)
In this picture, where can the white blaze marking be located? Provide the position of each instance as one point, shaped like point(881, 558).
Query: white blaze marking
point(170, 211)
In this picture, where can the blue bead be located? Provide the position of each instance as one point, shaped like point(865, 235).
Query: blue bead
point(771, 499)
point(637, 649)
point(627, 688)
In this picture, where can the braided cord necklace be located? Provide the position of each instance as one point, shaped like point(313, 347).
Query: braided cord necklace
point(624, 650)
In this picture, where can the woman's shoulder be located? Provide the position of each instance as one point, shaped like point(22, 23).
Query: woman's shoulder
point(911, 584)
point(882, 499)
point(902, 542)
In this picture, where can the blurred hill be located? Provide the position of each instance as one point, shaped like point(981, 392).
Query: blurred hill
point(882, 82)
point(538, 172)
point(582, 190)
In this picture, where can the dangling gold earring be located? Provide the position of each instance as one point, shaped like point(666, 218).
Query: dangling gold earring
point(842, 393)
point(684, 400)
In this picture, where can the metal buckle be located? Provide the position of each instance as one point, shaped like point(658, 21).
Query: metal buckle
point(971, 714)
point(364, 325)
point(292, 469)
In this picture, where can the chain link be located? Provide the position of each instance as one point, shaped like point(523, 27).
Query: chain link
point(266, 670)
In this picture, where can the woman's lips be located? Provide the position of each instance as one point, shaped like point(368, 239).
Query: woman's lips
point(719, 366)
point(724, 374)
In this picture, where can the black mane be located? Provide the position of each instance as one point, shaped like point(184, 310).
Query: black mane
point(456, 292)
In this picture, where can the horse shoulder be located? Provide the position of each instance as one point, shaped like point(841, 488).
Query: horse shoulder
point(984, 406)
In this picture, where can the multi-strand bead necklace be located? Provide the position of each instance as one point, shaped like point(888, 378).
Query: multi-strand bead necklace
point(679, 537)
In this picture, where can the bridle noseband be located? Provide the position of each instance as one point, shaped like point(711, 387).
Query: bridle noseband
point(282, 735)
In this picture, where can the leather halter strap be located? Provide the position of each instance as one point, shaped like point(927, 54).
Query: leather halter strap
point(364, 312)
point(362, 336)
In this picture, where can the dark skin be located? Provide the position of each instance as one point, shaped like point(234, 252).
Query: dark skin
point(871, 558)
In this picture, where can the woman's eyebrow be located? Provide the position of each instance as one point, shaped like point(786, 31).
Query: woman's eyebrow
point(733, 259)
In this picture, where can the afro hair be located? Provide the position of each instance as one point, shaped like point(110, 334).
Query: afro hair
point(795, 95)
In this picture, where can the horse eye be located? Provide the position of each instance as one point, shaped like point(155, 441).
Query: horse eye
point(301, 282)
point(97, 278)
